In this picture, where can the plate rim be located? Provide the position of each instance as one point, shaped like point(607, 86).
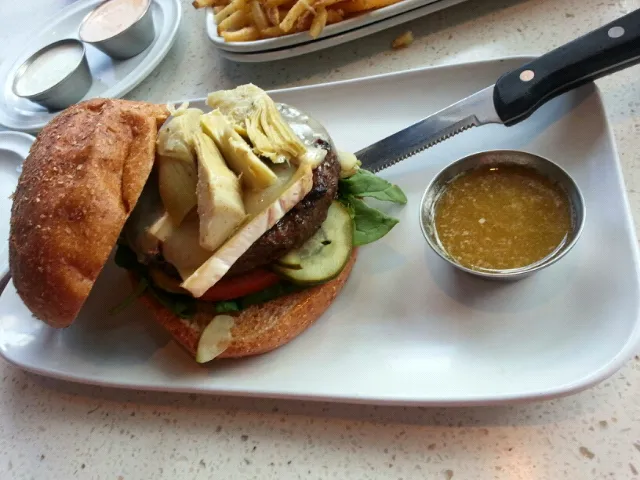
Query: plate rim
point(26, 141)
point(169, 28)
point(624, 351)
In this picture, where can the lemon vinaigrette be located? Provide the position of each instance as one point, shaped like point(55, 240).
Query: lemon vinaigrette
point(502, 217)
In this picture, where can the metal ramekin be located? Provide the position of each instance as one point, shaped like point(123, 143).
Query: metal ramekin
point(129, 42)
point(495, 158)
point(67, 91)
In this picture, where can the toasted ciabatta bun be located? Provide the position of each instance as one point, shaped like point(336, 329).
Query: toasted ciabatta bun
point(82, 178)
point(259, 328)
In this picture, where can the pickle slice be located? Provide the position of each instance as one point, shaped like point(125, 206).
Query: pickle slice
point(325, 254)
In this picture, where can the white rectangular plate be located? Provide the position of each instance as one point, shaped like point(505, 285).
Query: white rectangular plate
point(359, 26)
point(407, 329)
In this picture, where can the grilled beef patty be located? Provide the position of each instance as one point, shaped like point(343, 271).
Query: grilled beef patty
point(299, 224)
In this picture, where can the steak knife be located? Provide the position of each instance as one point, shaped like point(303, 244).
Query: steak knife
point(518, 93)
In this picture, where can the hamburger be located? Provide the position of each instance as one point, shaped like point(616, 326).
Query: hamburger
point(238, 227)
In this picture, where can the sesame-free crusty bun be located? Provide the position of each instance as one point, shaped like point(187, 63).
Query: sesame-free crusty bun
point(82, 178)
point(259, 328)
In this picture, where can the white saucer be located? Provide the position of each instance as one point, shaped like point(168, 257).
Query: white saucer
point(14, 148)
point(111, 78)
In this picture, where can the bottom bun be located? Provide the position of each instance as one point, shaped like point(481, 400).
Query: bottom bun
point(259, 328)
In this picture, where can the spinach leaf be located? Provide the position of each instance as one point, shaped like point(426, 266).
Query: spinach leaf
point(227, 306)
point(369, 224)
point(366, 184)
point(182, 305)
point(269, 293)
point(127, 259)
point(185, 306)
point(126, 303)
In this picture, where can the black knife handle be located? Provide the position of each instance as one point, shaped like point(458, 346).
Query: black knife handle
point(615, 46)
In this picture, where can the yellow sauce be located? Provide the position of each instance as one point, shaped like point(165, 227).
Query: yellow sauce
point(498, 218)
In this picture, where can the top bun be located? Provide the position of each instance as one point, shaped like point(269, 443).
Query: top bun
point(80, 182)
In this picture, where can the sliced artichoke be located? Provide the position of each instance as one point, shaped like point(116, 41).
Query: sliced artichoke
point(175, 137)
point(147, 212)
point(177, 163)
point(177, 183)
point(220, 207)
point(236, 151)
point(256, 201)
point(251, 110)
point(162, 228)
point(182, 249)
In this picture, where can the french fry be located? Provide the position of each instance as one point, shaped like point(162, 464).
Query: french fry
point(235, 21)
point(258, 15)
point(273, 14)
point(304, 21)
point(318, 23)
point(246, 34)
point(326, 3)
point(296, 11)
point(227, 11)
point(277, 3)
point(403, 40)
point(334, 16)
point(355, 6)
point(271, 32)
point(207, 3)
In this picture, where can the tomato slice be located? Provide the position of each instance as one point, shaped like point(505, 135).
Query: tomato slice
point(236, 287)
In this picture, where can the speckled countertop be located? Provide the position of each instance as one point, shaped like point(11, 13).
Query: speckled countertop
point(57, 430)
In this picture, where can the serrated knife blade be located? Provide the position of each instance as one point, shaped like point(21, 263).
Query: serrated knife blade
point(519, 92)
point(477, 109)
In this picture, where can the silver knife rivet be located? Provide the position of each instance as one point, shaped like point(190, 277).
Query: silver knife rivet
point(527, 75)
point(616, 32)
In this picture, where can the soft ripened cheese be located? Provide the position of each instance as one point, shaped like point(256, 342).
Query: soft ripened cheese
point(221, 261)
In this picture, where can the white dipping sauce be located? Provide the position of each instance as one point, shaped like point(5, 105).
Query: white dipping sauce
point(49, 68)
point(111, 18)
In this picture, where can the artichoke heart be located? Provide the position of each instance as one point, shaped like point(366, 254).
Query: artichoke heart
point(235, 104)
point(162, 228)
point(182, 248)
point(220, 206)
point(177, 163)
point(177, 183)
point(147, 212)
point(237, 153)
point(175, 137)
point(251, 110)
